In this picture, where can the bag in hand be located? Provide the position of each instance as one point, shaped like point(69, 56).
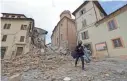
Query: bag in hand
point(74, 54)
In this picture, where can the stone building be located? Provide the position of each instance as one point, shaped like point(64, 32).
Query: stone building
point(38, 37)
point(19, 35)
point(104, 35)
point(64, 33)
point(15, 31)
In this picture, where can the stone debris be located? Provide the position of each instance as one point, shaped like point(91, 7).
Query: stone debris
point(51, 66)
point(67, 79)
point(107, 75)
point(16, 77)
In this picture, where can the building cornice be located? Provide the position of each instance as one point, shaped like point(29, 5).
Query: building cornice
point(113, 14)
point(85, 2)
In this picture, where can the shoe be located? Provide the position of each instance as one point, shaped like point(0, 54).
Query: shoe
point(83, 69)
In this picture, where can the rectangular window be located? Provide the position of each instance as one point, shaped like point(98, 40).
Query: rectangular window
point(22, 38)
point(101, 46)
point(13, 16)
point(82, 11)
point(23, 27)
point(112, 25)
point(18, 16)
point(85, 35)
point(101, 14)
point(84, 23)
point(19, 51)
point(6, 16)
point(7, 26)
point(117, 43)
point(3, 51)
point(4, 38)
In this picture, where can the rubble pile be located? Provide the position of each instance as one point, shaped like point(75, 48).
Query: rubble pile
point(107, 70)
point(21, 63)
point(32, 60)
point(51, 66)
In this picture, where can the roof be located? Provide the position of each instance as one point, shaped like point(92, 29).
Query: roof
point(95, 2)
point(17, 18)
point(42, 30)
point(14, 14)
point(60, 21)
point(66, 12)
point(117, 12)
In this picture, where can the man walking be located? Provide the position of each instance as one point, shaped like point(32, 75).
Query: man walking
point(80, 53)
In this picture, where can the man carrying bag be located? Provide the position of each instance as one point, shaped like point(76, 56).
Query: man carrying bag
point(78, 53)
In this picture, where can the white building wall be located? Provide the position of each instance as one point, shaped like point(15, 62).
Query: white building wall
point(102, 34)
point(87, 7)
point(92, 15)
point(13, 36)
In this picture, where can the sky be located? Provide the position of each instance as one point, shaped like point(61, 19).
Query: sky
point(46, 13)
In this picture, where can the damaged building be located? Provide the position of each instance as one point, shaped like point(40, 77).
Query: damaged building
point(18, 35)
point(38, 39)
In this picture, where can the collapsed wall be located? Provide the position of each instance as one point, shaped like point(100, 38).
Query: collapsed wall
point(29, 60)
point(21, 63)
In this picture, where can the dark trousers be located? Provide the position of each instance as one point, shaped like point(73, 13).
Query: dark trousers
point(82, 59)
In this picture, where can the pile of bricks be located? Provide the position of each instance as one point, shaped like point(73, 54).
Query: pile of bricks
point(21, 63)
point(31, 61)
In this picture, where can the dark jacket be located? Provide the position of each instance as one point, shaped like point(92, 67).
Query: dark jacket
point(79, 50)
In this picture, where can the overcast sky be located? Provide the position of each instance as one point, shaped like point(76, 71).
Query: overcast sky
point(46, 12)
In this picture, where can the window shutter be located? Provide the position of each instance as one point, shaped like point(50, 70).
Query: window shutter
point(8, 26)
point(87, 36)
point(119, 42)
point(111, 25)
point(4, 38)
point(21, 27)
point(5, 25)
point(22, 39)
point(84, 23)
point(83, 36)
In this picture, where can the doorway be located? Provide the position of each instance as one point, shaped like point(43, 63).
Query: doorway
point(3, 51)
point(19, 51)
